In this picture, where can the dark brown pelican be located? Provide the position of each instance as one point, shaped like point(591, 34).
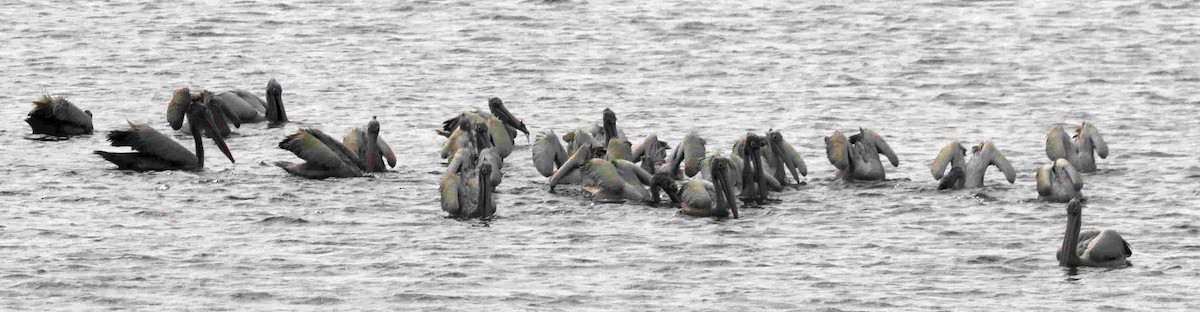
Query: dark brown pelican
point(503, 129)
point(782, 158)
point(1092, 248)
point(710, 198)
point(156, 151)
point(1079, 152)
point(857, 158)
point(755, 189)
point(1059, 181)
point(59, 118)
point(969, 174)
point(325, 157)
point(370, 147)
point(240, 106)
point(221, 114)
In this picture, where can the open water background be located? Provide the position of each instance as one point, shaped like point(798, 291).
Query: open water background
point(76, 234)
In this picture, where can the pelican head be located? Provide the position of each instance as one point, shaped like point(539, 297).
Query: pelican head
point(276, 116)
point(724, 189)
point(754, 145)
point(501, 112)
point(662, 183)
point(199, 114)
point(610, 124)
point(1074, 207)
point(485, 192)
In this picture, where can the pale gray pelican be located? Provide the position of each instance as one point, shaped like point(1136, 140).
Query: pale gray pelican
point(370, 147)
point(857, 157)
point(781, 157)
point(1080, 151)
point(465, 193)
point(969, 174)
point(710, 198)
point(1092, 248)
point(1059, 181)
point(325, 157)
point(608, 180)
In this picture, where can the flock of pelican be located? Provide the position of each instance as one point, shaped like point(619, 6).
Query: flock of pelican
point(599, 157)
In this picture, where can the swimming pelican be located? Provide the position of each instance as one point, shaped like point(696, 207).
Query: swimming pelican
point(503, 126)
point(782, 158)
point(754, 187)
point(650, 153)
point(548, 153)
point(614, 180)
point(1079, 152)
point(1059, 181)
point(58, 117)
point(156, 151)
point(465, 193)
point(969, 174)
point(857, 158)
point(220, 113)
point(370, 147)
point(1092, 248)
point(325, 157)
point(710, 198)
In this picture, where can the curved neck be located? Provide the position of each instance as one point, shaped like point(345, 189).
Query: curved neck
point(1070, 248)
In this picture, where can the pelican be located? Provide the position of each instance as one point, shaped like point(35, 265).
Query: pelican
point(475, 147)
point(156, 151)
point(221, 114)
point(969, 174)
point(609, 180)
point(503, 126)
point(754, 186)
point(710, 198)
point(58, 117)
point(856, 158)
point(548, 153)
point(689, 152)
point(650, 153)
point(782, 158)
point(466, 193)
point(325, 156)
point(369, 147)
point(1092, 248)
point(240, 106)
point(1079, 152)
point(1059, 181)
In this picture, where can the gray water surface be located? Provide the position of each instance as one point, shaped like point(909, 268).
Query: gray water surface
point(77, 234)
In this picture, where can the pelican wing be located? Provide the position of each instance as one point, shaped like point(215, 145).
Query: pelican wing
point(1107, 245)
point(177, 108)
point(354, 141)
point(698, 194)
point(309, 145)
point(237, 106)
point(794, 162)
point(873, 138)
point(601, 176)
point(143, 138)
point(387, 152)
point(693, 152)
point(1076, 178)
point(617, 149)
point(1044, 185)
point(1058, 143)
point(547, 153)
point(943, 159)
point(1092, 134)
point(995, 158)
point(632, 172)
point(837, 149)
point(255, 102)
point(501, 137)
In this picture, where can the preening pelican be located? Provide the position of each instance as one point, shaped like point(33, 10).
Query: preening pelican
point(58, 117)
point(1080, 151)
point(690, 152)
point(857, 157)
point(1059, 181)
point(782, 158)
point(325, 157)
point(1092, 248)
point(503, 126)
point(969, 174)
point(614, 180)
point(370, 147)
point(156, 151)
